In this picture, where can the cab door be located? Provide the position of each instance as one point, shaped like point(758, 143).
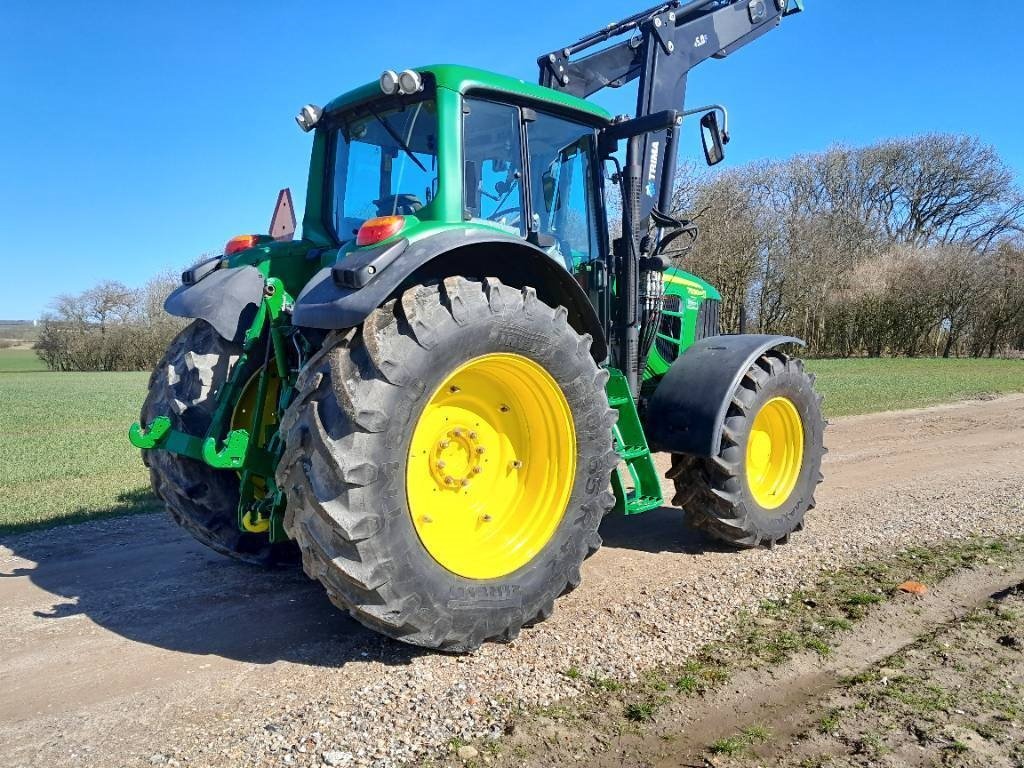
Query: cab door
point(564, 193)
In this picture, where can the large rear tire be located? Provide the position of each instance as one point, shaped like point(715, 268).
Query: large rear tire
point(202, 500)
point(432, 481)
point(758, 488)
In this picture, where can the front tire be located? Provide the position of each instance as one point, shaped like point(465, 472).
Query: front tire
point(399, 423)
point(757, 490)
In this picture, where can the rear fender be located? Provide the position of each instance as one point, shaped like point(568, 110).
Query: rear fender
point(687, 411)
point(343, 296)
point(227, 299)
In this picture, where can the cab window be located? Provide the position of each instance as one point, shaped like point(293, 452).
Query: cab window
point(384, 164)
point(493, 166)
point(562, 188)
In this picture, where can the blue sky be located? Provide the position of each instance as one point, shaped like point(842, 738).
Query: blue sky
point(136, 136)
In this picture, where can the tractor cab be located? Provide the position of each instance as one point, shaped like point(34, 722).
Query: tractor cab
point(464, 146)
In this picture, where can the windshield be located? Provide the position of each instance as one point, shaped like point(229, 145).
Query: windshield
point(384, 164)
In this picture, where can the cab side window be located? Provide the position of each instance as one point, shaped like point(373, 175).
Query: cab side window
point(493, 167)
point(562, 188)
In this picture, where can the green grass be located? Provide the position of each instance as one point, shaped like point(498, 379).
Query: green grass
point(19, 361)
point(64, 451)
point(868, 386)
point(65, 457)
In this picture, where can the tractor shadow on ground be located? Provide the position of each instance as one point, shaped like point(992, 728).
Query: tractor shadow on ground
point(660, 530)
point(145, 579)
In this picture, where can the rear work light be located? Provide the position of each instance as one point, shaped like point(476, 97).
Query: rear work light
point(375, 230)
point(240, 243)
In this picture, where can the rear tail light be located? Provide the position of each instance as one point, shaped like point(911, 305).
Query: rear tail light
point(375, 230)
point(240, 243)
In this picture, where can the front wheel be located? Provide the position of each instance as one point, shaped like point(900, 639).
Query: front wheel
point(448, 463)
point(758, 488)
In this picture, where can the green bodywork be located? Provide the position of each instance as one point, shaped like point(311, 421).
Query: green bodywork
point(254, 450)
point(692, 292)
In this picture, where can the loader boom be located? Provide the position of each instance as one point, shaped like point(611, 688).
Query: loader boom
point(665, 42)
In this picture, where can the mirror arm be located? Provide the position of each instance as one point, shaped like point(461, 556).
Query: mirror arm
point(609, 136)
point(716, 108)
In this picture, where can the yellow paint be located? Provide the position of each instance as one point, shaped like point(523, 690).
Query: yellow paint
point(255, 523)
point(775, 451)
point(491, 466)
point(695, 289)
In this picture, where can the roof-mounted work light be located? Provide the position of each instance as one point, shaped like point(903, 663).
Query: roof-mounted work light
point(389, 82)
point(410, 82)
point(308, 117)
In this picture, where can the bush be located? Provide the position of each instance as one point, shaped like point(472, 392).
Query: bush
point(109, 328)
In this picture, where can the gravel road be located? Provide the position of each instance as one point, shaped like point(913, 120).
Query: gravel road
point(124, 643)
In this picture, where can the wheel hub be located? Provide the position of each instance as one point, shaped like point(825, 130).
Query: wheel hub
point(458, 457)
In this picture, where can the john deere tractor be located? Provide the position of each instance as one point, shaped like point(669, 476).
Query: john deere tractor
point(437, 393)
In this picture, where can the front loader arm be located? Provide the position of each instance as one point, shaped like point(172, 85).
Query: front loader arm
point(665, 43)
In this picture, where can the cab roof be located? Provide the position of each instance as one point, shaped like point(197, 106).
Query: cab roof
point(462, 79)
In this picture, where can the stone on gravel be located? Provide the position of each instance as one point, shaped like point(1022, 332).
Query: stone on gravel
point(467, 752)
point(337, 758)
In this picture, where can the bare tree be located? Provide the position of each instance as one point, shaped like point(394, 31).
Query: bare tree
point(109, 327)
point(795, 240)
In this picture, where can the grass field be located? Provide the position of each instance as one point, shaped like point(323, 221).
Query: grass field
point(868, 386)
point(865, 386)
point(65, 456)
point(19, 361)
point(64, 451)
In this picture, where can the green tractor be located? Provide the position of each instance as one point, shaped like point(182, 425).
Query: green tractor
point(437, 393)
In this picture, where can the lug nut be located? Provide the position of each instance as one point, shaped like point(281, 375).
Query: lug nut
point(517, 464)
point(480, 450)
point(449, 480)
point(472, 436)
point(444, 444)
point(464, 483)
point(486, 518)
point(441, 465)
point(477, 470)
point(457, 432)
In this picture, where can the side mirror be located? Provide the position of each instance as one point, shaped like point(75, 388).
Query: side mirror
point(713, 138)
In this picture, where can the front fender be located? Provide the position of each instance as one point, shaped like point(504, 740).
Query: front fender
point(344, 295)
point(227, 299)
point(687, 411)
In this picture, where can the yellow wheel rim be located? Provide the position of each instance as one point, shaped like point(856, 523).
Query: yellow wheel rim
point(775, 453)
point(491, 466)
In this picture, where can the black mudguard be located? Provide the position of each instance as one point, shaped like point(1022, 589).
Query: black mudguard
point(343, 296)
point(227, 299)
point(687, 410)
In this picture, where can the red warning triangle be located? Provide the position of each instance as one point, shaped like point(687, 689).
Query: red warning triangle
point(282, 224)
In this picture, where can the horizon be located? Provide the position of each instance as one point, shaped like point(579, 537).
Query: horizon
point(157, 136)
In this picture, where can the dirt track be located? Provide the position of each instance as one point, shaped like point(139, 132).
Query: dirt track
point(124, 642)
